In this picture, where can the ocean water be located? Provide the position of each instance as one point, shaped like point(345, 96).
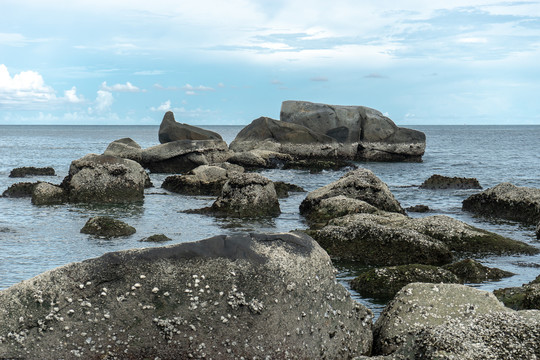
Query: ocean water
point(34, 239)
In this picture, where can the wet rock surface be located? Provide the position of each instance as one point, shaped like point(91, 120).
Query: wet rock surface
point(471, 271)
point(418, 208)
point(104, 179)
point(107, 227)
point(506, 201)
point(31, 171)
point(439, 182)
point(225, 297)
point(203, 180)
point(170, 130)
point(156, 238)
point(283, 188)
point(18, 190)
point(522, 297)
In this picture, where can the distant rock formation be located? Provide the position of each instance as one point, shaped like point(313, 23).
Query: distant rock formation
point(31, 171)
point(170, 130)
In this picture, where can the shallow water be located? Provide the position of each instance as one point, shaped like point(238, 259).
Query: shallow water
point(34, 239)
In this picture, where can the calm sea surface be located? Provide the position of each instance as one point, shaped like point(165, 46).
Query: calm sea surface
point(34, 239)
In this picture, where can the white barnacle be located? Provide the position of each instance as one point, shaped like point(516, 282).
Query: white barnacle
point(155, 290)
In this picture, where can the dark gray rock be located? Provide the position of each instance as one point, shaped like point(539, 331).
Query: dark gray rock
point(385, 282)
point(249, 296)
point(19, 190)
point(335, 207)
point(107, 227)
point(247, 195)
point(439, 182)
point(125, 148)
point(360, 184)
point(418, 208)
point(506, 201)
point(374, 136)
point(471, 271)
point(170, 130)
point(538, 231)
point(283, 189)
point(105, 179)
point(48, 194)
point(203, 180)
point(31, 171)
point(522, 297)
point(156, 238)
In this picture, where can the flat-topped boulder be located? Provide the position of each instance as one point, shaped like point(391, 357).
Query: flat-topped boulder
point(203, 180)
point(375, 137)
point(440, 182)
point(170, 130)
point(31, 171)
point(104, 179)
point(238, 296)
point(507, 201)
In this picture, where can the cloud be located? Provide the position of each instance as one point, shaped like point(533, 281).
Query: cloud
point(127, 87)
point(103, 103)
point(374, 76)
point(188, 87)
point(149, 72)
point(319, 78)
point(72, 97)
point(166, 106)
point(276, 82)
point(26, 89)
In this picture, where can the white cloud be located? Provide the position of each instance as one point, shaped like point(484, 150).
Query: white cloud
point(103, 103)
point(189, 87)
point(13, 39)
point(127, 87)
point(72, 97)
point(166, 106)
point(25, 89)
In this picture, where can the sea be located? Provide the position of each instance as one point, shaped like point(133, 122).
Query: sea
point(34, 239)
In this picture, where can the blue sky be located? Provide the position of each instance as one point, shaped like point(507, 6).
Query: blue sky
point(229, 62)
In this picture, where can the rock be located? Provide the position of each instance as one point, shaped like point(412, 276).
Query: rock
point(316, 165)
point(506, 201)
point(420, 306)
point(256, 159)
point(526, 296)
point(182, 156)
point(283, 188)
point(360, 184)
point(247, 195)
point(48, 194)
point(335, 207)
point(18, 190)
point(246, 295)
point(367, 132)
point(366, 239)
point(170, 130)
point(436, 182)
point(156, 238)
point(26, 171)
point(385, 282)
point(104, 179)
point(538, 231)
point(203, 180)
point(107, 227)
point(471, 271)
point(418, 208)
point(125, 148)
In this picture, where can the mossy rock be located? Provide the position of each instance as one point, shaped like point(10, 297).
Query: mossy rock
point(30, 170)
point(18, 190)
point(283, 189)
point(107, 227)
point(156, 238)
point(526, 297)
point(385, 282)
point(469, 270)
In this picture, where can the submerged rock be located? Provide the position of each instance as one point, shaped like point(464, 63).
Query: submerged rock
point(283, 189)
point(471, 271)
point(170, 130)
point(506, 201)
point(26, 171)
point(247, 195)
point(156, 238)
point(360, 184)
point(436, 182)
point(522, 297)
point(418, 208)
point(235, 296)
point(385, 282)
point(107, 227)
point(19, 190)
point(105, 179)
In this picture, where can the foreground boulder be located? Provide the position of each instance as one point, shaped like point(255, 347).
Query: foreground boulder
point(448, 321)
point(439, 182)
point(203, 180)
point(107, 227)
point(170, 130)
point(521, 297)
point(249, 296)
point(359, 184)
point(247, 195)
point(105, 179)
point(365, 132)
point(30, 171)
point(507, 201)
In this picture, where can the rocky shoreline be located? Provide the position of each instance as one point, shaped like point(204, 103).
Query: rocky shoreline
point(276, 295)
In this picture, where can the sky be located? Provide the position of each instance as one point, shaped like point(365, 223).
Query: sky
point(214, 62)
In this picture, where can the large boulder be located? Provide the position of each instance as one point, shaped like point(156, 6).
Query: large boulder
point(374, 136)
point(439, 182)
point(170, 130)
point(247, 195)
point(506, 201)
point(203, 180)
point(126, 148)
point(227, 297)
point(359, 184)
point(182, 156)
point(337, 206)
point(31, 171)
point(104, 179)
point(420, 311)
